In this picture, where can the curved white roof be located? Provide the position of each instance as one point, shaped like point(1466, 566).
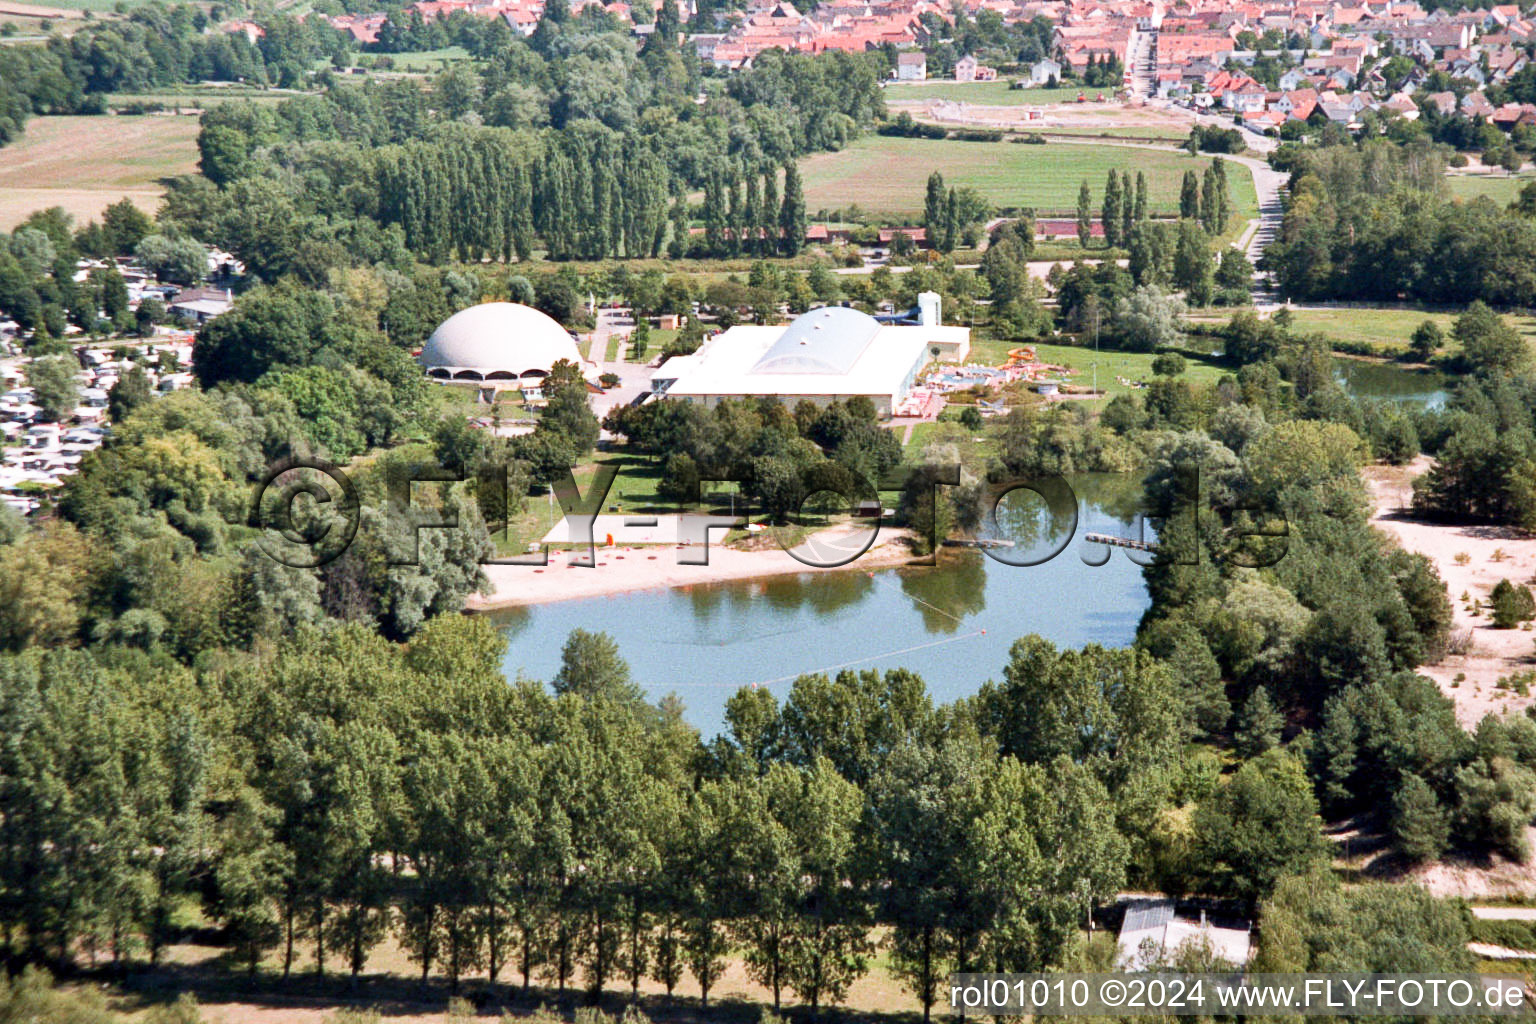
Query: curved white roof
point(826, 340)
point(502, 338)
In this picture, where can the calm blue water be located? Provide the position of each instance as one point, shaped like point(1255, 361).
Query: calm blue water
point(952, 624)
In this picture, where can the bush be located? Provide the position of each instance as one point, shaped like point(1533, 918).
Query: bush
point(1509, 934)
point(976, 135)
point(1512, 605)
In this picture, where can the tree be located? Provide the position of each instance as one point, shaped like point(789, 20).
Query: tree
point(792, 212)
point(1421, 829)
point(123, 226)
point(151, 311)
point(1512, 604)
point(1169, 364)
point(934, 210)
point(53, 379)
point(1209, 201)
point(177, 260)
point(1189, 197)
point(1192, 267)
point(828, 946)
point(1147, 320)
point(1234, 276)
point(1151, 249)
point(225, 153)
point(1084, 215)
point(131, 391)
point(1111, 213)
point(1427, 339)
point(567, 415)
point(1489, 346)
point(1258, 724)
point(1127, 206)
point(590, 667)
point(1260, 827)
point(248, 867)
point(640, 339)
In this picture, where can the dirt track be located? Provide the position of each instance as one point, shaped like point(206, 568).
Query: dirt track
point(37, 11)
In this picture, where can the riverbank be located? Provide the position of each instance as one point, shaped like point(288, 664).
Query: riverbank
point(1471, 559)
point(625, 569)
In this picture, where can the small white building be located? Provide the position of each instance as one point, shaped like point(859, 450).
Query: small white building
point(969, 69)
point(1153, 932)
point(1042, 72)
point(201, 304)
point(911, 66)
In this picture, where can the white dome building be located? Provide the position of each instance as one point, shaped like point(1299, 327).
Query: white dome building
point(498, 341)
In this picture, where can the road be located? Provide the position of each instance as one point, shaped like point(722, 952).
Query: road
point(634, 379)
point(1143, 64)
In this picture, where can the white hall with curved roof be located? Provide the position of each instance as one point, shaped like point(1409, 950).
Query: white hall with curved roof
point(824, 355)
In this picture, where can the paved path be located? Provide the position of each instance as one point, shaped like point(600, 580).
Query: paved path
point(1505, 913)
point(1489, 951)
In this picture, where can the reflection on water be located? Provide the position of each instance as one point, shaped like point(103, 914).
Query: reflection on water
point(952, 624)
point(947, 596)
point(1388, 381)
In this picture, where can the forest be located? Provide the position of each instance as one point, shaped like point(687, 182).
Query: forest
point(1374, 223)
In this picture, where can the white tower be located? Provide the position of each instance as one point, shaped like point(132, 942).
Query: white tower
point(928, 307)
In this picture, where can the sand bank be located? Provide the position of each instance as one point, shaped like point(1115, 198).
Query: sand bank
point(1490, 554)
point(623, 569)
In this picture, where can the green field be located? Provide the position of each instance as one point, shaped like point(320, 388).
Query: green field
point(1388, 330)
point(95, 6)
point(192, 97)
point(1121, 131)
point(996, 94)
point(428, 60)
point(1133, 366)
point(1501, 188)
point(887, 175)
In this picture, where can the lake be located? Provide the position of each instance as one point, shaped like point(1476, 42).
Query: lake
point(1427, 388)
point(952, 624)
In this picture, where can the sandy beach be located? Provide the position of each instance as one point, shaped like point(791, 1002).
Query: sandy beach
point(623, 569)
point(1491, 554)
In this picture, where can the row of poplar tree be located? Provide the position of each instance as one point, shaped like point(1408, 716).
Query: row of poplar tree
point(1203, 198)
point(592, 194)
point(338, 789)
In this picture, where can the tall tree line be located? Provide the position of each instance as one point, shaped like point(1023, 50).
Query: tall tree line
point(338, 789)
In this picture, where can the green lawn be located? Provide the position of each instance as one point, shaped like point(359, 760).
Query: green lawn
point(1133, 366)
point(202, 98)
point(428, 60)
point(1501, 188)
point(887, 175)
point(658, 341)
point(1122, 131)
point(1387, 330)
point(996, 94)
